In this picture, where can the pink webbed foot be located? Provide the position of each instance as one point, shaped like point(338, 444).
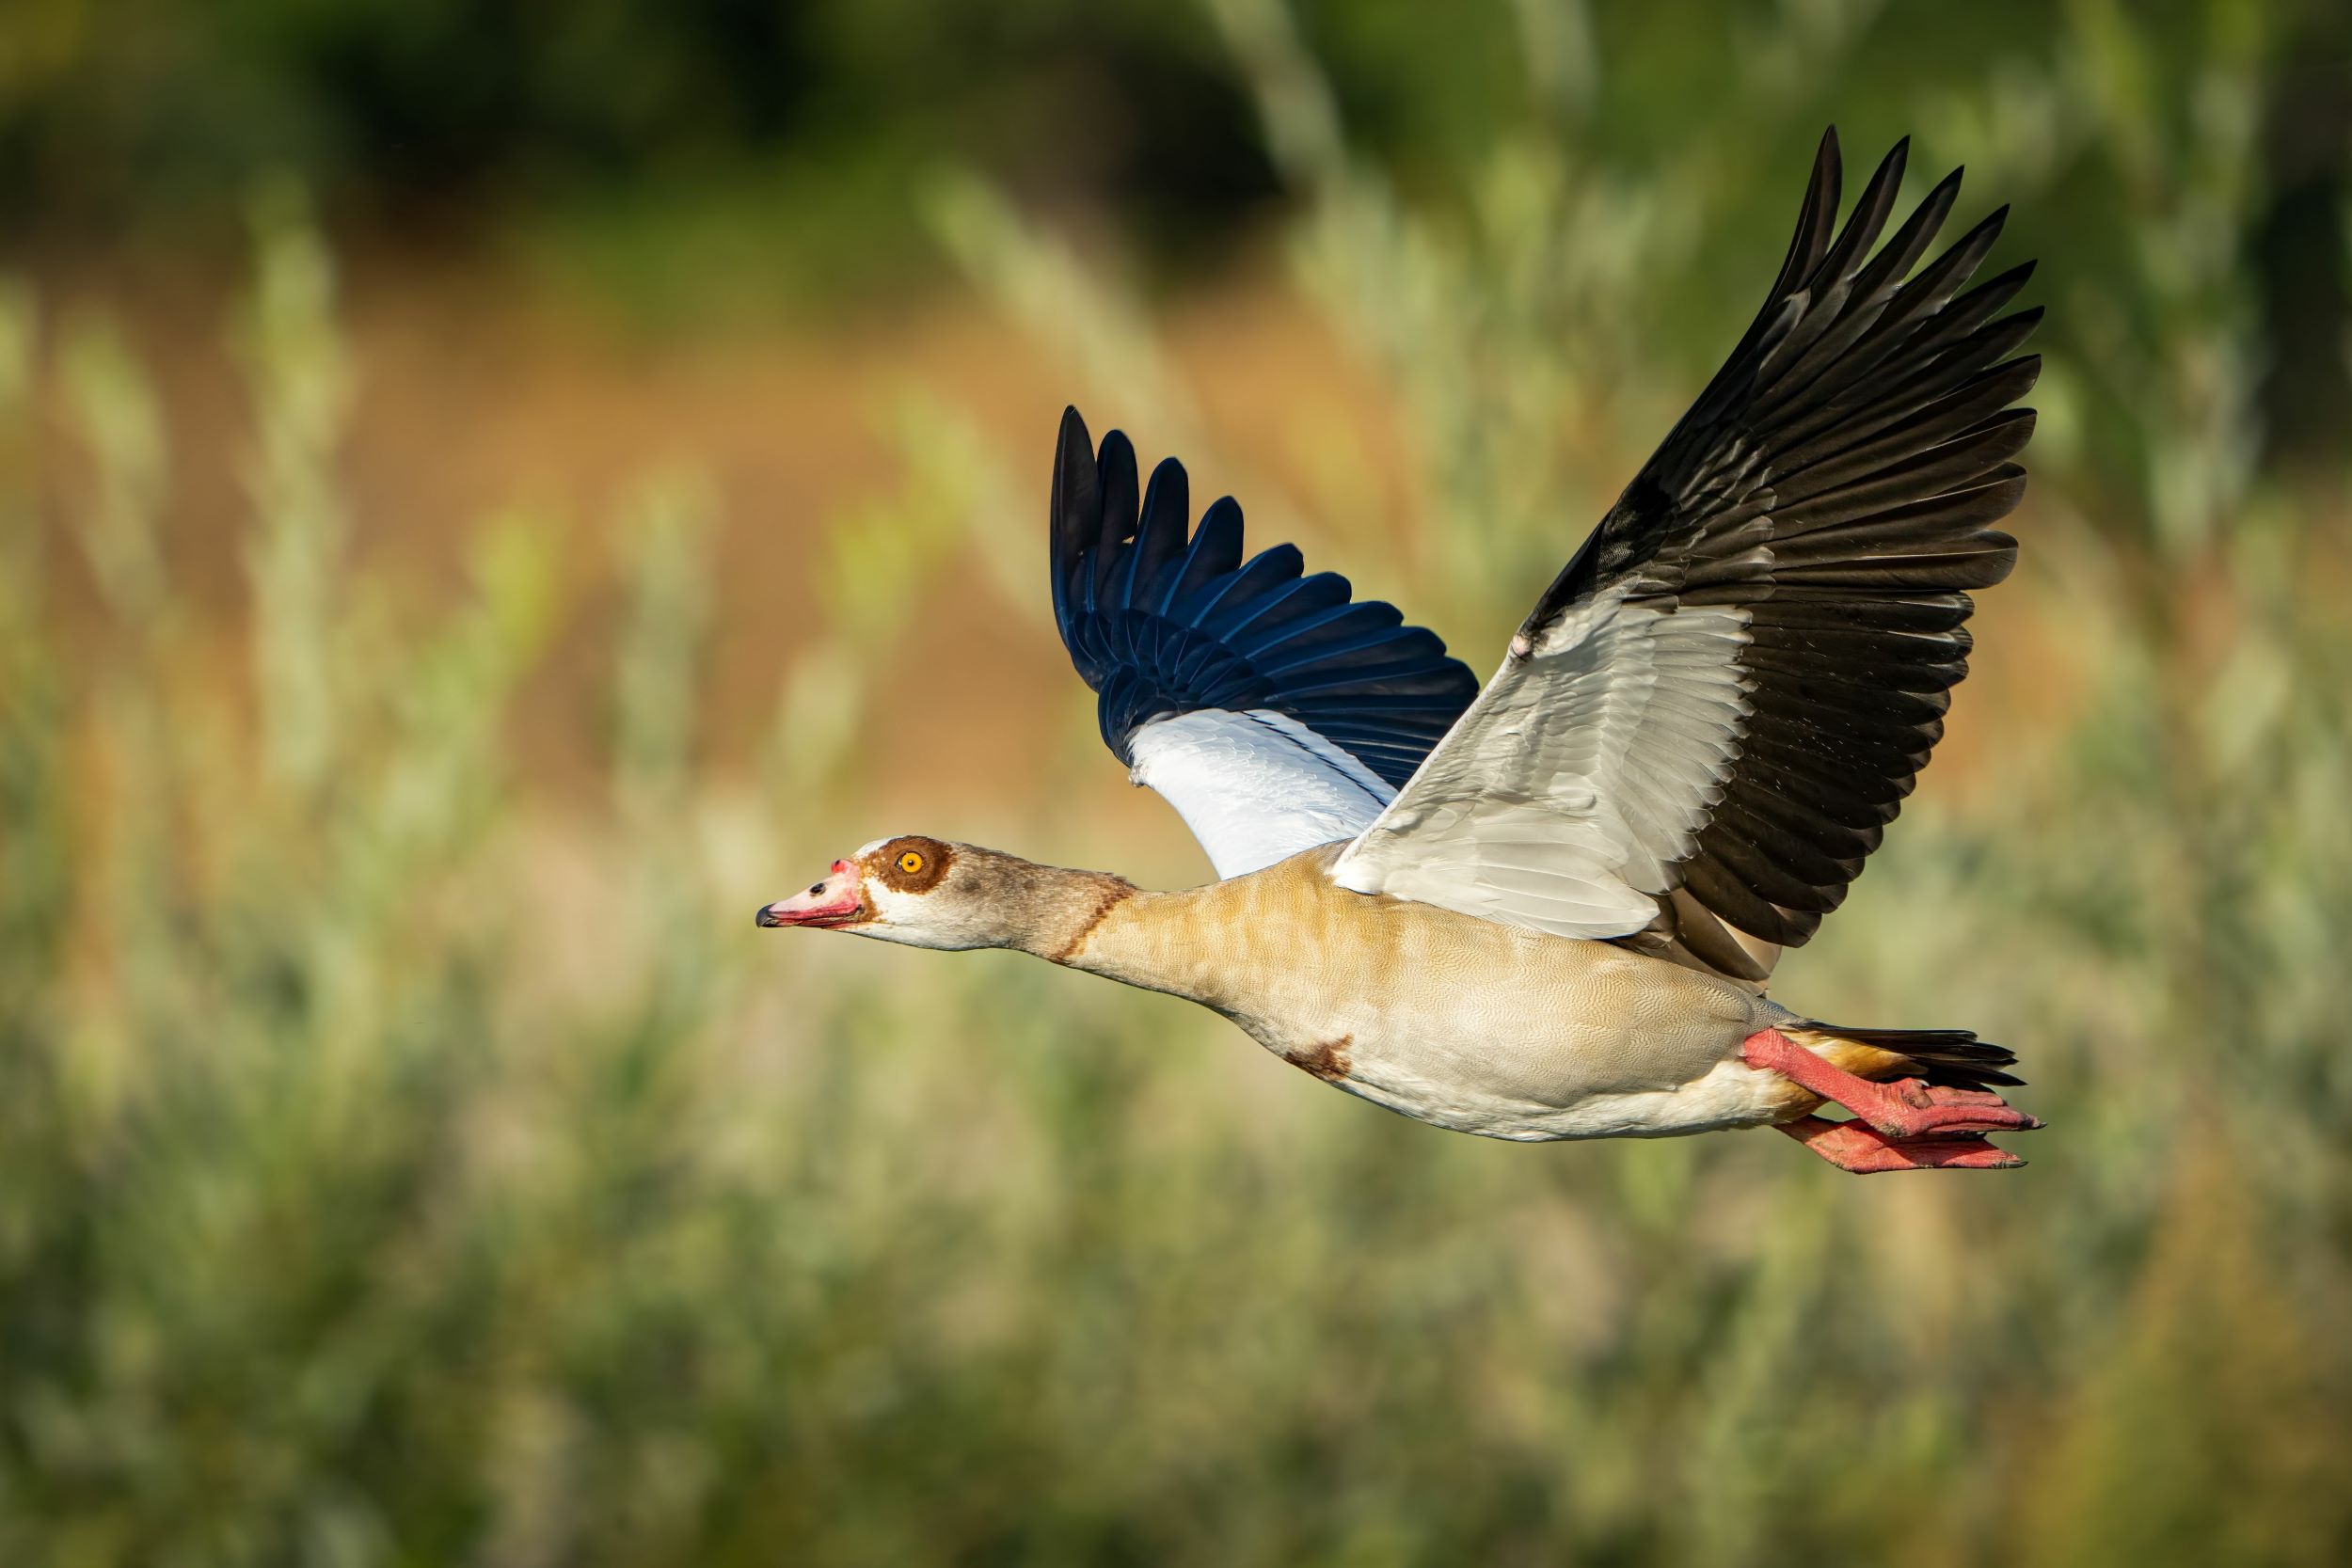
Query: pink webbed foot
point(1853, 1145)
point(1911, 1109)
point(1906, 1108)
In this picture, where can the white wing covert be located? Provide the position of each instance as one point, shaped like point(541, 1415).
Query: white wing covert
point(1255, 787)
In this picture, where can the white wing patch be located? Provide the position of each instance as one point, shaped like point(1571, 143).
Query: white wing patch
point(1582, 774)
point(1255, 787)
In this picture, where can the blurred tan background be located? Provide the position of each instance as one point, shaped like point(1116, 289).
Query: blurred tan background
point(492, 492)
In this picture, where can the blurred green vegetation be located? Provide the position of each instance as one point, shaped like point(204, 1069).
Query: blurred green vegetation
point(397, 1170)
point(688, 157)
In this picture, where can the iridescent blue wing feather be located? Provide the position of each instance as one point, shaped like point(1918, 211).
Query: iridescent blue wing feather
point(1163, 618)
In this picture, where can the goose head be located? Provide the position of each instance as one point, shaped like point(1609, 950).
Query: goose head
point(904, 889)
point(930, 892)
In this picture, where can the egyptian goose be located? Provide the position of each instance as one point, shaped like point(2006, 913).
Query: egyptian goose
point(1548, 909)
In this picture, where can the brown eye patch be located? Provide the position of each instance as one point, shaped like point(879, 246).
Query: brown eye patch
point(913, 864)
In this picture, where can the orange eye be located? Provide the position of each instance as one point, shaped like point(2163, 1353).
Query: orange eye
point(910, 862)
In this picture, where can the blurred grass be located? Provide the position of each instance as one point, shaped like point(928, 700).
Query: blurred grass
point(395, 1169)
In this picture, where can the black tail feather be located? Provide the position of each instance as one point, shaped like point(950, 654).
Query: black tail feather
point(1952, 1057)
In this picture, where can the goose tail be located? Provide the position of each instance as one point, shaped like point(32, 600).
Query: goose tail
point(1953, 1058)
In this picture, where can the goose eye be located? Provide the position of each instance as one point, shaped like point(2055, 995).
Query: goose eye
point(910, 862)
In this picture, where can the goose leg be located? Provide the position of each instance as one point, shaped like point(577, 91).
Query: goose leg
point(1905, 1108)
point(1865, 1151)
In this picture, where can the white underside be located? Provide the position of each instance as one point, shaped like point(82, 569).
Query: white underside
point(1729, 1095)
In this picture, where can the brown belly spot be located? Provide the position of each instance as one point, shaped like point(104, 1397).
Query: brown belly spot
point(1326, 1060)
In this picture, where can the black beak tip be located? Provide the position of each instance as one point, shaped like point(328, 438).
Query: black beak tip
point(764, 918)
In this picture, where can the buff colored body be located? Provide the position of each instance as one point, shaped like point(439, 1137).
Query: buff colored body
point(1462, 1022)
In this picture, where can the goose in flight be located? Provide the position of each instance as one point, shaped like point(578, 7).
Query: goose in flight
point(1547, 908)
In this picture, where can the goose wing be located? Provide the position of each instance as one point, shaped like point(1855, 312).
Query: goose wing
point(1709, 717)
point(1274, 711)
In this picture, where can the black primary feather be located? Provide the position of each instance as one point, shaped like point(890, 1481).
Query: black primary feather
point(1159, 622)
point(1837, 481)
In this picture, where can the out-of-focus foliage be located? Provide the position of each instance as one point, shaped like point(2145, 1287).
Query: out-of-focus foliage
point(665, 148)
point(396, 1168)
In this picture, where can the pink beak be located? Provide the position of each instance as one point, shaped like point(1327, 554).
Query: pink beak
point(838, 900)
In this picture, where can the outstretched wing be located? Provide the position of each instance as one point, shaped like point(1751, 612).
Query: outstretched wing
point(1273, 713)
point(1719, 704)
